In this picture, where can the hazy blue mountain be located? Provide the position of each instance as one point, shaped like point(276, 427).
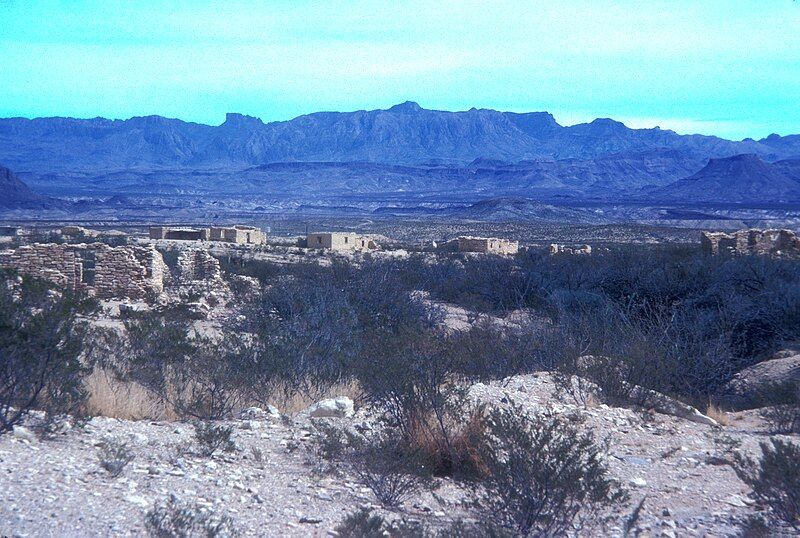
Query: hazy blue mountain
point(403, 134)
point(741, 178)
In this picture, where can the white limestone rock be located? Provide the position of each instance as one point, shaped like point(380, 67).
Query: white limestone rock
point(341, 407)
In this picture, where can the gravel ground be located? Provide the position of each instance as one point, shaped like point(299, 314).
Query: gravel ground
point(57, 487)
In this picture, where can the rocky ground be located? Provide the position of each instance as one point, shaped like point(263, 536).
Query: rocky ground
point(272, 484)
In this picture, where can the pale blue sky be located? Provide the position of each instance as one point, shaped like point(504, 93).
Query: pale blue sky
point(725, 67)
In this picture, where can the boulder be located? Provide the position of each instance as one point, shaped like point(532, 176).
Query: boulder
point(21, 432)
point(763, 384)
point(257, 413)
point(341, 407)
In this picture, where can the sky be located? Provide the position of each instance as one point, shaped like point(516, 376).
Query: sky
point(725, 67)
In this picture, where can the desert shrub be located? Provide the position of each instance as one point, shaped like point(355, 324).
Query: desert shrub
point(387, 468)
point(114, 456)
point(415, 378)
point(307, 331)
point(172, 518)
point(545, 476)
point(774, 479)
point(264, 271)
point(490, 352)
point(199, 377)
point(41, 342)
point(783, 415)
point(212, 437)
point(361, 524)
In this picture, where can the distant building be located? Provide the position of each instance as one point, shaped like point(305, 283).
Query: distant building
point(240, 235)
point(340, 241)
point(180, 233)
point(487, 245)
point(769, 242)
point(11, 231)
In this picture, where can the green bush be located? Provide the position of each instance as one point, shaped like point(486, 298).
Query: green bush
point(545, 476)
point(774, 479)
point(41, 342)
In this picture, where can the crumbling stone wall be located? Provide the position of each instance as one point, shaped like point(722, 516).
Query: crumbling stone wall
point(240, 235)
point(99, 269)
point(487, 245)
point(555, 248)
point(763, 242)
point(198, 265)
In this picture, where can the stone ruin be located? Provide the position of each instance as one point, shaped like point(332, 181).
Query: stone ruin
point(763, 242)
point(563, 249)
point(240, 235)
point(96, 268)
point(340, 241)
point(196, 265)
point(484, 245)
point(11, 231)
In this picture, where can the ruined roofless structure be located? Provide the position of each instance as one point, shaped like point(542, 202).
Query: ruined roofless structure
point(96, 268)
point(487, 245)
point(340, 241)
point(240, 235)
point(765, 242)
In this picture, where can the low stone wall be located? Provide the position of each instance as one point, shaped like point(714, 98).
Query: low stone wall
point(99, 269)
point(555, 248)
point(198, 265)
point(763, 242)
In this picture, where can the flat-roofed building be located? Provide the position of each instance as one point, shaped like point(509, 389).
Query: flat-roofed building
point(241, 235)
point(487, 245)
point(340, 241)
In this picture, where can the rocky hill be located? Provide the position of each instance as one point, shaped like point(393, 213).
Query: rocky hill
point(16, 194)
point(741, 178)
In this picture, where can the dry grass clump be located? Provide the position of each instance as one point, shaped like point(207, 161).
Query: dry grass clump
point(111, 397)
point(715, 412)
point(457, 449)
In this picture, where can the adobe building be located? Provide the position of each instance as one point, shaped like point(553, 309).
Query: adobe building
point(96, 268)
point(340, 241)
point(487, 245)
point(240, 235)
point(179, 233)
point(764, 242)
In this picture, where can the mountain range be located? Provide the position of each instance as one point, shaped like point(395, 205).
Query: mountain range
point(402, 151)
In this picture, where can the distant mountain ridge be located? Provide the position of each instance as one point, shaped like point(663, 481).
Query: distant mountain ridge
point(403, 134)
point(740, 178)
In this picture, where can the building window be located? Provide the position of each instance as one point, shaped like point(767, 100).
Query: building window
point(319, 240)
point(345, 239)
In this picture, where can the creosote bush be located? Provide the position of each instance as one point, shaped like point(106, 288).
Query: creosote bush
point(545, 476)
point(361, 524)
point(114, 456)
point(212, 438)
point(388, 469)
point(173, 518)
point(783, 417)
point(41, 342)
point(774, 479)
